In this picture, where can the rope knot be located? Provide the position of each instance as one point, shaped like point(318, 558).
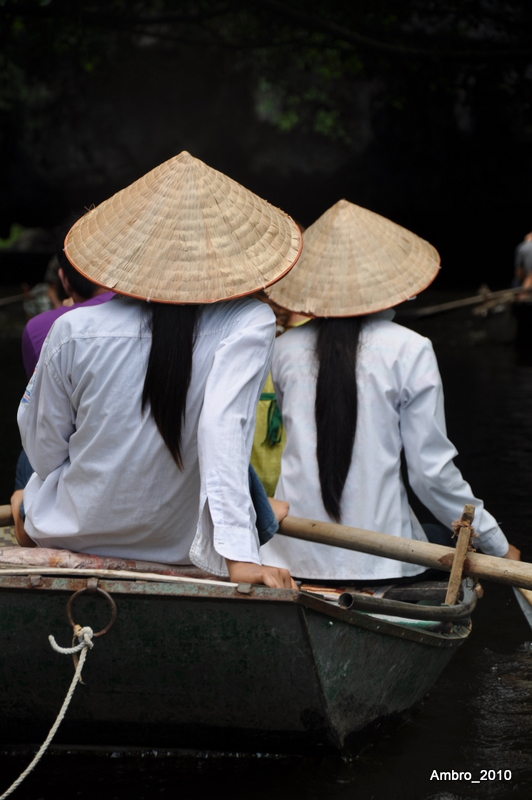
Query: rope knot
point(84, 636)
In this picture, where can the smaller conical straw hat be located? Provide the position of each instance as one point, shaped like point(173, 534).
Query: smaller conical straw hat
point(184, 233)
point(355, 262)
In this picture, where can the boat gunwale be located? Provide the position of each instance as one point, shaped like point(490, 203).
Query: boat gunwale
point(35, 580)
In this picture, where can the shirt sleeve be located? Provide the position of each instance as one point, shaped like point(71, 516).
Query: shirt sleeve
point(226, 527)
point(29, 356)
point(429, 454)
point(45, 417)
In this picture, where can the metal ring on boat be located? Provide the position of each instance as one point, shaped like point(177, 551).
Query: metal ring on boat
point(92, 590)
point(398, 608)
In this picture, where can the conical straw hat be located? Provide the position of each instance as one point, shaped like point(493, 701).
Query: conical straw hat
point(355, 262)
point(184, 233)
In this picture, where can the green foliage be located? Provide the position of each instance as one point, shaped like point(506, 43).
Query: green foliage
point(303, 61)
point(14, 232)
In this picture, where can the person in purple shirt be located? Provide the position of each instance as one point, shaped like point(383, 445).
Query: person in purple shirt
point(83, 293)
point(80, 290)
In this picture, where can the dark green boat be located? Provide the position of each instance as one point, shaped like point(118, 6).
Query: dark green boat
point(212, 665)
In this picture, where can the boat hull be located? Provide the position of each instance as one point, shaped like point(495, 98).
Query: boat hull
point(202, 665)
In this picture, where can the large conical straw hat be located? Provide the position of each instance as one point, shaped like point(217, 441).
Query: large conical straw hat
point(355, 262)
point(184, 233)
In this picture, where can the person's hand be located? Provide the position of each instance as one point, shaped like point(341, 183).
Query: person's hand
point(22, 537)
point(280, 508)
point(246, 572)
point(513, 553)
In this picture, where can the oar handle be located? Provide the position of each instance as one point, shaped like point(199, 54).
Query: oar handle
point(426, 554)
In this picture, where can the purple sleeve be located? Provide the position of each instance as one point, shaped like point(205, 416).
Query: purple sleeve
point(35, 333)
point(31, 347)
point(37, 328)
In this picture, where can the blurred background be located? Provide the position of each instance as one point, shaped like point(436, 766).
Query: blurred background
point(418, 110)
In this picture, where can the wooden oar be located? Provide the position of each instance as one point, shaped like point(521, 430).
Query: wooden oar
point(482, 297)
point(426, 554)
point(14, 298)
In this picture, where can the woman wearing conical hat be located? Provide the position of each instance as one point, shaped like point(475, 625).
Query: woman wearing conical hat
point(355, 391)
point(139, 418)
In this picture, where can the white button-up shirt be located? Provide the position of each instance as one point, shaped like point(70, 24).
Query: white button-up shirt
point(104, 481)
point(400, 405)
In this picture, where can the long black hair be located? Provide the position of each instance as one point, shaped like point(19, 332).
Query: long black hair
point(169, 370)
point(336, 405)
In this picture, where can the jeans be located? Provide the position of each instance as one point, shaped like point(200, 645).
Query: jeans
point(267, 523)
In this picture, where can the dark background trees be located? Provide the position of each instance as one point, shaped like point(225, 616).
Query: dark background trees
point(418, 110)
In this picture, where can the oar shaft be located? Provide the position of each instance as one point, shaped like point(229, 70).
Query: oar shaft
point(482, 297)
point(426, 554)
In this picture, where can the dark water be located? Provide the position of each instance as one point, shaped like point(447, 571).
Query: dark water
point(477, 720)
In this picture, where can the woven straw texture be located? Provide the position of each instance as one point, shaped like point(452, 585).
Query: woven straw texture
point(355, 262)
point(184, 233)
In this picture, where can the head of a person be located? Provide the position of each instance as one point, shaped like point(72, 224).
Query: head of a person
point(75, 284)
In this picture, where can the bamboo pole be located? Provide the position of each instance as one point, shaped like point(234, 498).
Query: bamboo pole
point(14, 298)
point(116, 574)
point(482, 297)
point(426, 554)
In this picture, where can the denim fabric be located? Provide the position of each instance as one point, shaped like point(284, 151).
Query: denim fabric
point(23, 473)
point(267, 524)
point(437, 533)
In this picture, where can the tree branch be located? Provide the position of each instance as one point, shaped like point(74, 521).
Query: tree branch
point(346, 35)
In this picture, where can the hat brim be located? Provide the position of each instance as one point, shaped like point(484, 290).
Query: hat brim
point(184, 233)
point(356, 262)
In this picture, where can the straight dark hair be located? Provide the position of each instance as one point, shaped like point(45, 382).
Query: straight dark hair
point(169, 370)
point(336, 404)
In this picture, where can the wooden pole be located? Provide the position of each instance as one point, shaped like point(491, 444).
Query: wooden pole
point(462, 546)
point(503, 295)
point(477, 565)
point(527, 594)
point(524, 598)
point(14, 298)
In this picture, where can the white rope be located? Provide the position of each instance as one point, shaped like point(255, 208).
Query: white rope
point(86, 634)
point(82, 633)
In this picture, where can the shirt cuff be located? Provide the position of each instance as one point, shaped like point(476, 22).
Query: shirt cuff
point(237, 544)
point(213, 544)
point(492, 543)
